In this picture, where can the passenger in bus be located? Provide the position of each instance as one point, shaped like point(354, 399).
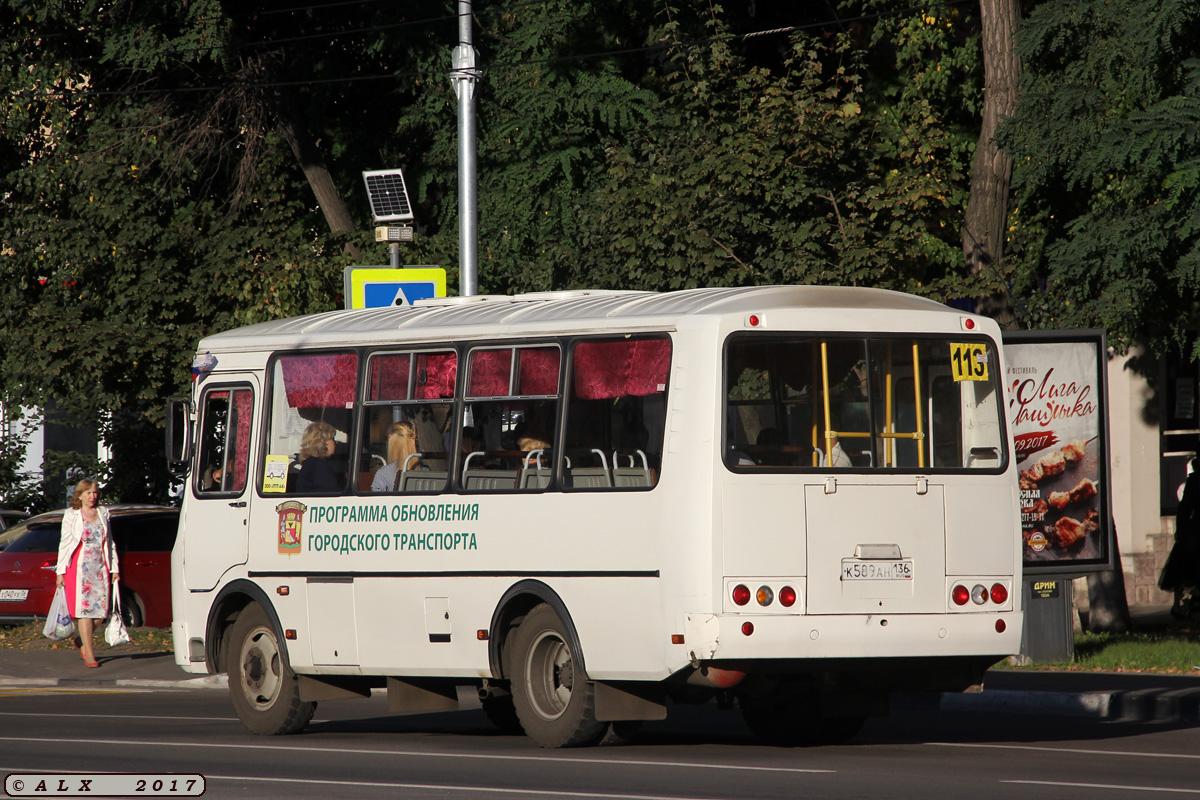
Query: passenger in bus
point(316, 446)
point(839, 456)
point(401, 446)
point(528, 442)
point(213, 477)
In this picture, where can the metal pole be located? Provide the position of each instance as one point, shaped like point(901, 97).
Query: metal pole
point(394, 254)
point(464, 76)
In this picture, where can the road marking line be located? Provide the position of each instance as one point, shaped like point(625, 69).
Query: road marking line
point(1082, 750)
point(418, 754)
point(40, 715)
point(48, 690)
point(1114, 786)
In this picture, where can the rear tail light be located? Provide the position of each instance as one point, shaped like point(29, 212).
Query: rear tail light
point(747, 628)
point(999, 594)
point(960, 595)
point(787, 597)
point(741, 594)
point(979, 594)
point(764, 596)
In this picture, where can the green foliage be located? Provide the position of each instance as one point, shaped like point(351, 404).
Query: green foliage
point(19, 489)
point(119, 241)
point(811, 171)
point(1107, 152)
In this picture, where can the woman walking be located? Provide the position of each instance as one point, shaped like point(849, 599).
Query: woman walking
point(87, 563)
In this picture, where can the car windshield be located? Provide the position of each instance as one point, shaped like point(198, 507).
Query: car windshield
point(37, 538)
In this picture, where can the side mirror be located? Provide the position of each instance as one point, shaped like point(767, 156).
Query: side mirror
point(179, 434)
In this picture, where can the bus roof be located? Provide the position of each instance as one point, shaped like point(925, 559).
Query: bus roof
point(575, 310)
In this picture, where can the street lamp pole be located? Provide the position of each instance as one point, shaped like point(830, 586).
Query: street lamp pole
point(464, 76)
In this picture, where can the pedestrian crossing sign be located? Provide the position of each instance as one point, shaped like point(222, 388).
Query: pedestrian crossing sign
point(381, 287)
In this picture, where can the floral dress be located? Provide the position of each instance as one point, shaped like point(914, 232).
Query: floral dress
point(88, 575)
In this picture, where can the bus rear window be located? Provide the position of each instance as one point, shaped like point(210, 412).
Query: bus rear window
point(902, 403)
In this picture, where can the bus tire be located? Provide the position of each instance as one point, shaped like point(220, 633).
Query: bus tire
point(555, 703)
point(265, 692)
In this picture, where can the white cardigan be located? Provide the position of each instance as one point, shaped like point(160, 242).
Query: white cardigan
point(72, 534)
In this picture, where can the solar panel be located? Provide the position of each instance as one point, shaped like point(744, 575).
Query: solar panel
point(388, 196)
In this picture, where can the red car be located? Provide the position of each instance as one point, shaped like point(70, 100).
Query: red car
point(144, 537)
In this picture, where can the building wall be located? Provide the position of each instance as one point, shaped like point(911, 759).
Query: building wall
point(1136, 469)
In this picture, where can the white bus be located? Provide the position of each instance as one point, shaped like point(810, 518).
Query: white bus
point(795, 499)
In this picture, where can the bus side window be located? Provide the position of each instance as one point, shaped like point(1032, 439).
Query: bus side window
point(616, 413)
point(407, 416)
point(512, 411)
point(223, 461)
point(308, 392)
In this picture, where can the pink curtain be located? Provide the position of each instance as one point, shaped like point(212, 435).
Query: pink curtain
point(606, 370)
point(389, 377)
point(538, 371)
point(435, 376)
point(243, 403)
point(490, 370)
point(320, 381)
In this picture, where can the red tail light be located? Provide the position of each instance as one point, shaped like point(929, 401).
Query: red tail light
point(787, 597)
point(747, 628)
point(741, 594)
point(999, 593)
point(960, 595)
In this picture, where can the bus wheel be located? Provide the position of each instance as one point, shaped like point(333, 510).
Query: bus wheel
point(265, 692)
point(555, 702)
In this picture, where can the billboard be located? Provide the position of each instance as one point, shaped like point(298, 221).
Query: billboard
point(1057, 394)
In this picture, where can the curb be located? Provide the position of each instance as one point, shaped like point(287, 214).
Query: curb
point(203, 682)
point(1142, 705)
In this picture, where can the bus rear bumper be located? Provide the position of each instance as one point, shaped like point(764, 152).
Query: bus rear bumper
point(719, 637)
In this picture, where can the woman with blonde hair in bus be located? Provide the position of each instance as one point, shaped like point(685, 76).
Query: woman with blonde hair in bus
point(401, 447)
point(316, 446)
point(87, 563)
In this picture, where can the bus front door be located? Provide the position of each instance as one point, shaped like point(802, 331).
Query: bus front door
point(216, 514)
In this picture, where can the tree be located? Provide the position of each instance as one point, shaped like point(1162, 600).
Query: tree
point(985, 222)
point(1106, 149)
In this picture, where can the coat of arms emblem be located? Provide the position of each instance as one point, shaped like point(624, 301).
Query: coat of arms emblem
point(291, 520)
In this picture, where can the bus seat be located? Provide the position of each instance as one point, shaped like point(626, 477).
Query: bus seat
point(592, 477)
point(533, 474)
point(422, 481)
point(482, 479)
point(631, 474)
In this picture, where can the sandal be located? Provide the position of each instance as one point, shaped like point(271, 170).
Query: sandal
point(92, 663)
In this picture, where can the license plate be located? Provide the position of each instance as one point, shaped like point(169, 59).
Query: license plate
point(13, 594)
point(877, 570)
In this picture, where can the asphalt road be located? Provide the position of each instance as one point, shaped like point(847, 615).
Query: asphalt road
point(358, 749)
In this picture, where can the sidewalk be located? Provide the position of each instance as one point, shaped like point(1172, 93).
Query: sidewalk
point(1127, 696)
point(117, 668)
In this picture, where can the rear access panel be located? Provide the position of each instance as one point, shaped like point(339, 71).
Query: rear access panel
point(876, 549)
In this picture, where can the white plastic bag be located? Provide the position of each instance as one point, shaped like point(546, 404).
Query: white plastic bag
point(59, 624)
point(115, 633)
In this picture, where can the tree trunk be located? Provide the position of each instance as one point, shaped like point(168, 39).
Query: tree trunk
point(991, 170)
point(1108, 607)
point(312, 162)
